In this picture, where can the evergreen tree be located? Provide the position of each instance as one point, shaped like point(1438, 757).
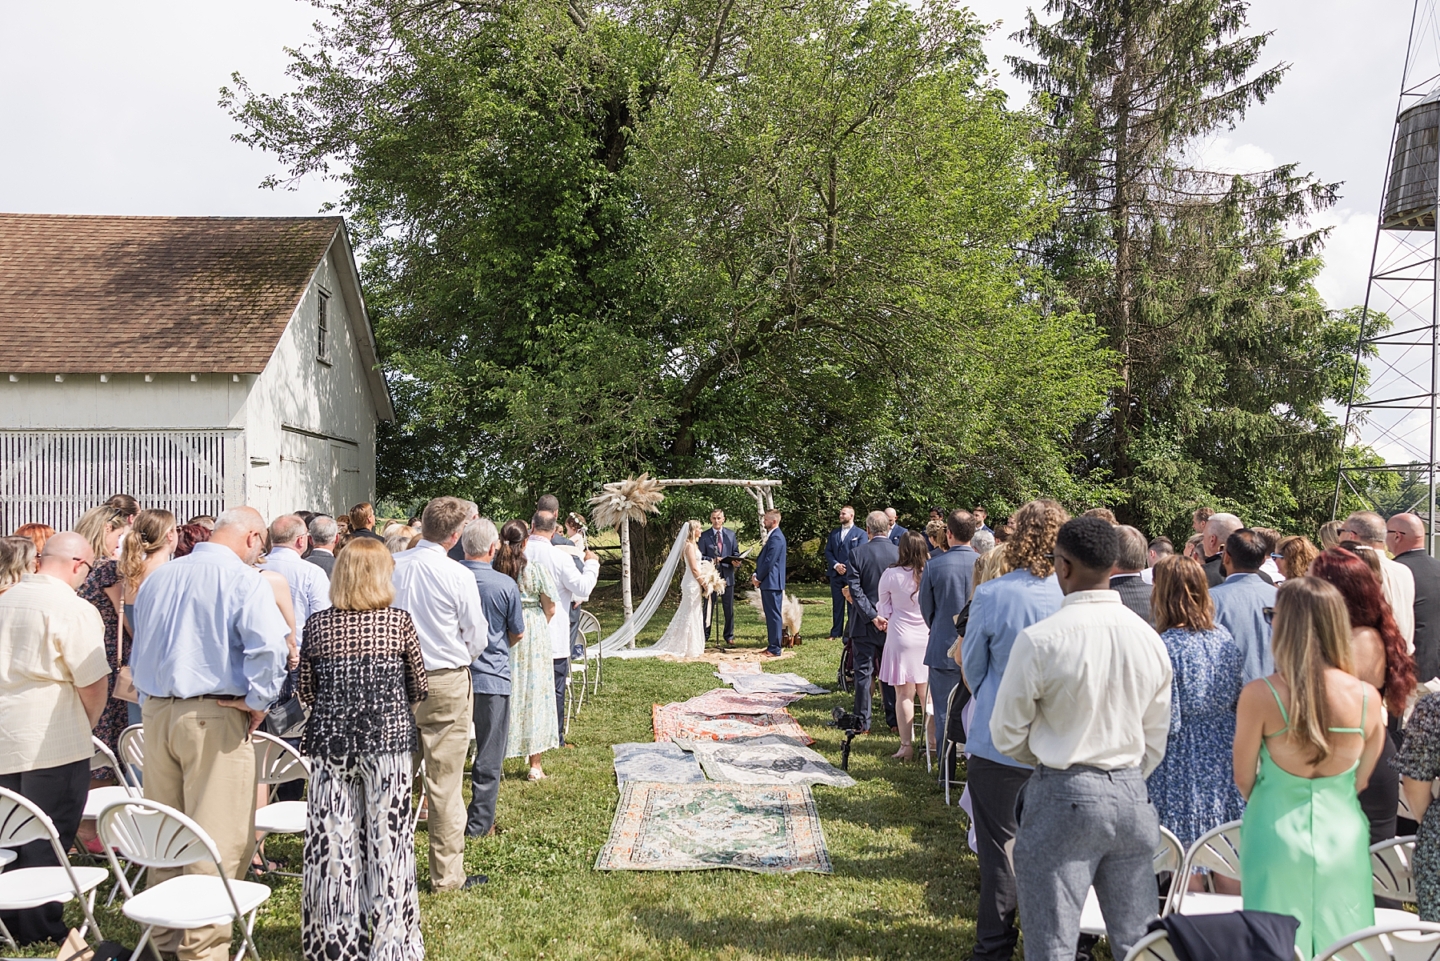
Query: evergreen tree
point(1227, 354)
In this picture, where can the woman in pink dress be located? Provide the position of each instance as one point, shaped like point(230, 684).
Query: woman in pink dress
point(902, 665)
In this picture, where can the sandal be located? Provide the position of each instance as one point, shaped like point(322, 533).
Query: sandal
point(536, 775)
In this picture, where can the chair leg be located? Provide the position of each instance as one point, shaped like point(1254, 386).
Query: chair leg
point(5, 932)
point(248, 942)
point(140, 947)
point(87, 904)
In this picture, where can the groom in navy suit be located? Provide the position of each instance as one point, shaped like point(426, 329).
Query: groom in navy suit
point(717, 543)
point(770, 578)
point(843, 539)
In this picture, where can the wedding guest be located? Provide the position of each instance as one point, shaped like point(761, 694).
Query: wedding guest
point(1158, 548)
point(398, 537)
point(53, 688)
point(209, 659)
point(983, 542)
point(1200, 518)
point(308, 585)
point(979, 514)
point(1306, 740)
point(152, 541)
point(945, 589)
point(1377, 653)
point(1102, 513)
point(902, 661)
point(1195, 548)
point(1085, 698)
point(1271, 567)
point(573, 585)
point(1193, 789)
point(769, 580)
point(37, 533)
point(999, 611)
point(577, 529)
point(1217, 531)
point(490, 672)
point(362, 521)
point(1294, 555)
point(324, 532)
point(126, 506)
point(17, 558)
point(1242, 600)
point(1330, 534)
point(838, 546)
point(1396, 581)
point(1405, 537)
point(472, 513)
point(188, 535)
point(1419, 762)
point(102, 527)
point(1125, 580)
point(867, 632)
point(896, 531)
point(361, 673)
point(441, 598)
point(534, 728)
point(203, 520)
point(935, 540)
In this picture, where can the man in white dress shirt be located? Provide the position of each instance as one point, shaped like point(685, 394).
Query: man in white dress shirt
point(573, 583)
point(309, 586)
point(1396, 581)
point(1085, 699)
point(444, 603)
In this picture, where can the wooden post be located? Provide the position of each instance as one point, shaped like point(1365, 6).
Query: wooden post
point(625, 598)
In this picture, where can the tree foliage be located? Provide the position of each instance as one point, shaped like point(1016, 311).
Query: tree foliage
point(695, 237)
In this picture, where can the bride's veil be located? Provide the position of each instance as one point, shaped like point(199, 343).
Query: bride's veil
point(625, 636)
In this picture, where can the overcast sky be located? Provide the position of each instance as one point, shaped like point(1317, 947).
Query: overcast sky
point(111, 107)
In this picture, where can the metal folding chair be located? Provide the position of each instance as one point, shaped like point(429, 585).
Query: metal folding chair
point(21, 822)
point(276, 762)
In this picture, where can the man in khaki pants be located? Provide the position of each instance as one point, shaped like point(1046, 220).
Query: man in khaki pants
point(209, 657)
point(444, 603)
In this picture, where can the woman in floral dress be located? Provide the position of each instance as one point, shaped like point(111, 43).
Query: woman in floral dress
point(534, 727)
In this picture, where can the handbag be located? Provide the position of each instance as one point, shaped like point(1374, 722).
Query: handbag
point(286, 717)
point(125, 686)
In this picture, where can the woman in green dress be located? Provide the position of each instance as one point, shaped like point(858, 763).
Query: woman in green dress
point(1306, 740)
point(534, 727)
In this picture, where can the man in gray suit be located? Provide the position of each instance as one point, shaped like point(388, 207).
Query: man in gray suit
point(867, 637)
point(1125, 578)
point(944, 592)
point(323, 532)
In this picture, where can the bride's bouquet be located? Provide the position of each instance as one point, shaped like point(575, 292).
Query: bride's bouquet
point(710, 580)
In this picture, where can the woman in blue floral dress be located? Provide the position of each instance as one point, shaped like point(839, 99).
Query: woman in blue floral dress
point(1193, 789)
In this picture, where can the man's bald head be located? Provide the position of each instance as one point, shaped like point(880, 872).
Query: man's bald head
point(241, 529)
point(1404, 532)
point(1217, 530)
point(67, 556)
point(286, 530)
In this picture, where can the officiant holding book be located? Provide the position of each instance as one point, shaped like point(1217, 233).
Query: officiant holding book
point(719, 546)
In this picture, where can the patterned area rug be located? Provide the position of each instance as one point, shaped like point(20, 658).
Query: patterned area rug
point(683, 827)
point(661, 763)
point(766, 760)
point(722, 700)
point(673, 721)
point(772, 684)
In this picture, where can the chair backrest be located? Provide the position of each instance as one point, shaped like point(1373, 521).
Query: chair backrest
point(104, 757)
point(154, 835)
point(1406, 941)
point(1155, 946)
point(588, 623)
point(132, 750)
point(1390, 866)
point(1217, 850)
point(277, 762)
point(22, 821)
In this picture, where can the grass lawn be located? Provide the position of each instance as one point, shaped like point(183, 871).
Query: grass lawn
point(904, 885)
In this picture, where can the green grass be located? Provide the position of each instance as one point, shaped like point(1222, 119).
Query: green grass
point(904, 883)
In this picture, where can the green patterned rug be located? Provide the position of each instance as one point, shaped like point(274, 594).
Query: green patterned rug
point(696, 827)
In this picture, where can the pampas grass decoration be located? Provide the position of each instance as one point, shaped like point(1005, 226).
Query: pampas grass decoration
point(710, 580)
point(632, 499)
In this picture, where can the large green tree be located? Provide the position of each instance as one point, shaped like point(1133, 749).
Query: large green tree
point(1202, 281)
point(731, 237)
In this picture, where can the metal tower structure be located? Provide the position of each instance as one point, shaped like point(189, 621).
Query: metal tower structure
point(1395, 413)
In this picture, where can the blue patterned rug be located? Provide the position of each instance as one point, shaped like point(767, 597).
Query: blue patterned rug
point(662, 762)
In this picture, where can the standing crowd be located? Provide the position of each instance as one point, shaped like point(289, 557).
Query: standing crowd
point(395, 649)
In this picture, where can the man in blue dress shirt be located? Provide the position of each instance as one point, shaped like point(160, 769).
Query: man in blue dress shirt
point(769, 577)
point(209, 658)
point(490, 672)
point(1242, 598)
point(309, 585)
point(842, 540)
point(944, 592)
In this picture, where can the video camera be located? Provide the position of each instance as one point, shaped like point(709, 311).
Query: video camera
point(849, 722)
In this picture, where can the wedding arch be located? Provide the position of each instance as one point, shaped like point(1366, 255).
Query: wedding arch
point(634, 499)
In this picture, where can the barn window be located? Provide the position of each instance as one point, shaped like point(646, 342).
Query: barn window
point(322, 347)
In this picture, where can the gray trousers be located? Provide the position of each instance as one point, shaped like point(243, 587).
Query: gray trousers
point(492, 727)
point(1081, 827)
point(562, 679)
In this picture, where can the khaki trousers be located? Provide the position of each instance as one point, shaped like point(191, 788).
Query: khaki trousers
point(444, 722)
point(199, 759)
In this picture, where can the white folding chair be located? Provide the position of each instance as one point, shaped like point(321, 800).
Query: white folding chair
point(22, 822)
point(99, 797)
point(1168, 856)
point(590, 634)
point(156, 835)
point(276, 762)
point(1391, 868)
point(1218, 851)
point(949, 748)
point(6, 856)
point(1156, 946)
point(1412, 940)
point(131, 747)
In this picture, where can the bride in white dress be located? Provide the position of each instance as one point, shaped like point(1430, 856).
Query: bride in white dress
point(685, 637)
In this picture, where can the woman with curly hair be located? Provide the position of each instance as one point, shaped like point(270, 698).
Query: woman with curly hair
point(1378, 651)
point(999, 610)
point(1294, 555)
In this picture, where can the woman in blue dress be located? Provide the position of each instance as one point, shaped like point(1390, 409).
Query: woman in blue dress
point(1193, 789)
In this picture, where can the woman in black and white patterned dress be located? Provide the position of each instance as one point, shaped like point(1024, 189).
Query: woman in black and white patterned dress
point(360, 670)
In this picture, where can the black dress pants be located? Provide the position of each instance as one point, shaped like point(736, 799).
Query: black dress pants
point(994, 790)
point(60, 792)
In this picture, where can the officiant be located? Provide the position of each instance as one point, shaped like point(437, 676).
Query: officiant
point(719, 546)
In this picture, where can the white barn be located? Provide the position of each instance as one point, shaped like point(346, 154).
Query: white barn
point(197, 363)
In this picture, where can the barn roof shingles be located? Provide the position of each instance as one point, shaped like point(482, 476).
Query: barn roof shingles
point(86, 294)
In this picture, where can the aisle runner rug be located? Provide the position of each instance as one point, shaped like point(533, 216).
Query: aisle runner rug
point(722, 700)
point(772, 684)
point(661, 763)
point(691, 827)
point(736, 667)
point(672, 721)
point(766, 760)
